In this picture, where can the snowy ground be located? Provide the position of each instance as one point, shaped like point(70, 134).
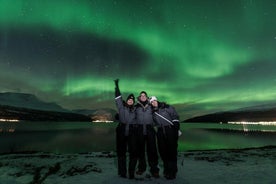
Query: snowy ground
point(252, 166)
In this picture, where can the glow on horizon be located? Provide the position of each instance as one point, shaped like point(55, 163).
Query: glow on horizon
point(9, 120)
point(253, 123)
point(102, 121)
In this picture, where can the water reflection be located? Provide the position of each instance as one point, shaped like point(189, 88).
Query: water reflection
point(77, 137)
point(8, 125)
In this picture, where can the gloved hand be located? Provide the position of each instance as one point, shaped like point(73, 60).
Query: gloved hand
point(177, 125)
point(117, 90)
point(154, 109)
point(116, 81)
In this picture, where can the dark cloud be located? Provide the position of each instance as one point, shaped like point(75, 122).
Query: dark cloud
point(44, 51)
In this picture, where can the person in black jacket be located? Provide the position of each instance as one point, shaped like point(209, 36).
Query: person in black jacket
point(167, 121)
point(146, 136)
point(126, 133)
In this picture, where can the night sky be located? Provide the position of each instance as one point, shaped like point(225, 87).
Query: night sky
point(199, 55)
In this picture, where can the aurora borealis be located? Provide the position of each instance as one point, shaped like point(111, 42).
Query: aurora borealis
point(200, 55)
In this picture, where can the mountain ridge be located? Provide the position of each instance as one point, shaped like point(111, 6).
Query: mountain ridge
point(30, 101)
point(265, 112)
point(24, 106)
point(19, 113)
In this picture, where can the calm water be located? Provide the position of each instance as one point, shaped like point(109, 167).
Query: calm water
point(77, 137)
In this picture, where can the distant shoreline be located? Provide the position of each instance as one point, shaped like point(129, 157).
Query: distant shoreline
point(113, 152)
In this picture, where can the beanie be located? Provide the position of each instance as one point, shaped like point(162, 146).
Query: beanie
point(131, 96)
point(144, 93)
point(153, 98)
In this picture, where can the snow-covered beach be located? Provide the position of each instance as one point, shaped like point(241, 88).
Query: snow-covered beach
point(256, 165)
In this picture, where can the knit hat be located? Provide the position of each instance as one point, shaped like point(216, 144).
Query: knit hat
point(153, 98)
point(131, 96)
point(144, 93)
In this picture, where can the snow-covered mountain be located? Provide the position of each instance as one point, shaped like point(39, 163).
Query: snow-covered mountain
point(28, 107)
point(28, 101)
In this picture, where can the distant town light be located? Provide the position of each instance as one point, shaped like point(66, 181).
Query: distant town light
point(102, 121)
point(9, 120)
point(253, 123)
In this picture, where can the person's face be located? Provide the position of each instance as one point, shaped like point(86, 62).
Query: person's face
point(154, 103)
point(130, 102)
point(143, 97)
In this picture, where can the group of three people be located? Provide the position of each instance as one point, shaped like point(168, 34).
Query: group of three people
point(136, 135)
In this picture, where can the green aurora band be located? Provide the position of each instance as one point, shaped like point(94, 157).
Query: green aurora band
point(195, 50)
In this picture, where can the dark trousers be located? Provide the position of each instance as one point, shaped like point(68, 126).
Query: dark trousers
point(167, 138)
point(121, 148)
point(124, 144)
point(132, 149)
point(147, 142)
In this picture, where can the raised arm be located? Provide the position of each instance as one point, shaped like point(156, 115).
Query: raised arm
point(118, 96)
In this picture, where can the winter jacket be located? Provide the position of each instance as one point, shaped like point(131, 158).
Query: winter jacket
point(126, 114)
point(144, 115)
point(165, 115)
